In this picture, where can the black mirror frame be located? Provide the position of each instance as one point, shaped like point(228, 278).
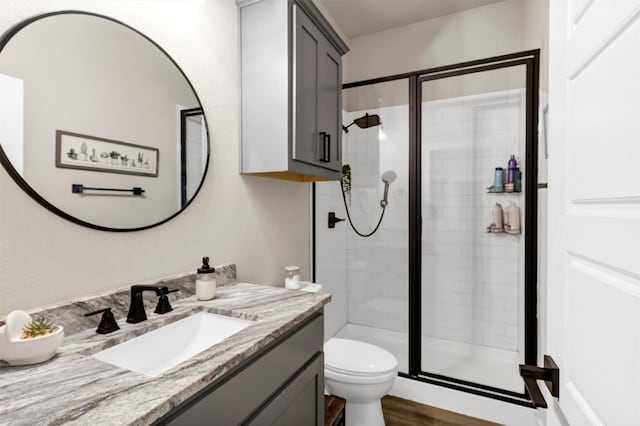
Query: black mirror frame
point(22, 183)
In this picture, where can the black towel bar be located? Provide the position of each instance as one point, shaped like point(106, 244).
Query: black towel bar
point(78, 188)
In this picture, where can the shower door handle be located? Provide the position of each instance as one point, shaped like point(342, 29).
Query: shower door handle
point(550, 374)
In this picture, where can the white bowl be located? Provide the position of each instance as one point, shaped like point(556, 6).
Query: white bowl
point(30, 351)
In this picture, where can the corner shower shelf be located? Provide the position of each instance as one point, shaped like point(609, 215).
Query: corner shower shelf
point(493, 231)
point(491, 191)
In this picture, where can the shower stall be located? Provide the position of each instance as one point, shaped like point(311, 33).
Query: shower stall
point(454, 302)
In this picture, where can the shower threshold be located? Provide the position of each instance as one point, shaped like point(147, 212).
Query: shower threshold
point(483, 365)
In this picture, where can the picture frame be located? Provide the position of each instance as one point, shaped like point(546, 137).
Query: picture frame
point(92, 153)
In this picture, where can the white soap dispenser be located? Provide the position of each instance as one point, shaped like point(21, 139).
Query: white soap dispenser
point(206, 282)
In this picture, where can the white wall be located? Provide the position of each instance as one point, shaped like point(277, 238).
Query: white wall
point(258, 223)
point(12, 111)
point(496, 29)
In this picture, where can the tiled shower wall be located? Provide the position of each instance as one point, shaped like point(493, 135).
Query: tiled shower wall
point(472, 281)
point(368, 277)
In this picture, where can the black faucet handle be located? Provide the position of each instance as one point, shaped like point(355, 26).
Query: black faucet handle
point(163, 305)
point(108, 322)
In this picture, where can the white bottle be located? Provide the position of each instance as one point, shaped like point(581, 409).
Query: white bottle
point(206, 281)
point(505, 219)
point(514, 219)
point(292, 278)
point(497, 214)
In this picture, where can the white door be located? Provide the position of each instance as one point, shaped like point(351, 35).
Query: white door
point(594, 209)
point(196, 153)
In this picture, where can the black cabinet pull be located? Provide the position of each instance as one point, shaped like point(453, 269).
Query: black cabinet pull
point(322, 155)
point(325, 157)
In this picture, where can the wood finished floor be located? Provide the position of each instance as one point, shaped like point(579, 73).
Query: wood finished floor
point(402, 412)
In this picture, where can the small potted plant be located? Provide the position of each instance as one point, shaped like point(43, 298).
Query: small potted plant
point(140, 159)
point(125, 160)
point(24, 340)
point(345, 181)
point(83, 151)
point(104, 157)
point(72, 154)
point(115, 155)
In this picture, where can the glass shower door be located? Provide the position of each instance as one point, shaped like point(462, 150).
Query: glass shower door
point(472, 241)
point(368, 275)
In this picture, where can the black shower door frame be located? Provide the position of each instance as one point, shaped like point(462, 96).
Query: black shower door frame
point(531, 60)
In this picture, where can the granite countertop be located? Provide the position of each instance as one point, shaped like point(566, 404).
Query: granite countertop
point(73, 388)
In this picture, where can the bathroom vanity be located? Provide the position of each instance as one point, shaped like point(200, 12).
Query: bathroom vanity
point(271, 371)
point(283, 384)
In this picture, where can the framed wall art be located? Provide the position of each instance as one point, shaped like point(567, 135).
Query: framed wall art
point(91, 153)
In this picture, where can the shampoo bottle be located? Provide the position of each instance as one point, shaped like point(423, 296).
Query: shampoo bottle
point(498, 180)
point(497, 214)
point(514, 219)
point(511, 168)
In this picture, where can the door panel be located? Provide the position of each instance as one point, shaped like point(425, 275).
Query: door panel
point(330, 103)
point(602, 120)
point(594, 209)
point(307, 47)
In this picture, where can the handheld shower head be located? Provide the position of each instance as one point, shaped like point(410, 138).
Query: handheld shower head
point(388, 178)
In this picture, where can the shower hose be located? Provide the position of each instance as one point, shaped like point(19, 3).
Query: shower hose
point(346, 207)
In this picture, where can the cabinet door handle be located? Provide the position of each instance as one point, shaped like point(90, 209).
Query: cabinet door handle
point(328, 159)
point(323, 154)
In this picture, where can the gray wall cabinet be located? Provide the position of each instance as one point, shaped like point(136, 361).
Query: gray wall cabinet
point(281, 385)
point(291, 82)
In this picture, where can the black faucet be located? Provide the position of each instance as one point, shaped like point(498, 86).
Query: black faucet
point(136, 308)
point(107, 324)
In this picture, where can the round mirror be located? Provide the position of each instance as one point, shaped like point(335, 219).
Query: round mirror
point(97, 123)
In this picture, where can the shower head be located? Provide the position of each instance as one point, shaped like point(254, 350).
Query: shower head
point(364, 122)
point(388, 178)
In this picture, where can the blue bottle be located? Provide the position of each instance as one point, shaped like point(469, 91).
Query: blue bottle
point(517, 180)
point(498, 180)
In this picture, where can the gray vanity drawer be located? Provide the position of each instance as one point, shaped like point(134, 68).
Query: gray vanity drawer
point(251, 388)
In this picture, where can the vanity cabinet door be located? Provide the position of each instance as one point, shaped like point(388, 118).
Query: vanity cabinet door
point(301, 403)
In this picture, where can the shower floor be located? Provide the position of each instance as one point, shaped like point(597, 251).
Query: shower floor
point(473, 363)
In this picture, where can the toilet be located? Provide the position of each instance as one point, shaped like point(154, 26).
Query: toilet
point(360, 373)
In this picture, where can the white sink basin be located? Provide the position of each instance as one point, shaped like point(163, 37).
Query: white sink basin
point(159, 350)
